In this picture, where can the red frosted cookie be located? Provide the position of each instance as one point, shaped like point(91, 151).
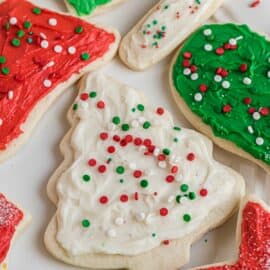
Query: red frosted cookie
point(41, 53)
point(254, 238)
point(12, 220)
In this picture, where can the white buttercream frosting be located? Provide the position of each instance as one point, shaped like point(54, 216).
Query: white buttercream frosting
point(135, 226)
point(163, 29)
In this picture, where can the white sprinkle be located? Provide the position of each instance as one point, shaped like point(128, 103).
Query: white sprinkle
point(111, 233)
point(256, 116)
point(44, 44)
point(194, 76)
point(71, 50)
point(171, 199)
point(233, 41)
point(119, 221)
point(156, 152)
point(140, 216)
point(135, 123)
point(132, 166)
point(268, 74)
point(58, 48)
point(111, 126)
point(226, 84)
point(43, 35)
point(207, 32)
point(84, 105)
point(218, 78)
point(13, 20)
point(198, 97)
point(187, 71)
point(1, 122)
point(250, 129)
point(247, 81)
point(141, 120)
point(259, 141)
point(10, 94)
point(47, 83)
point(208, 47)
point(162, 164)
point(142, 148)
point(52, 22)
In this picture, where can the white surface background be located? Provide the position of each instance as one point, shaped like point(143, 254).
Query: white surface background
point(24, 177)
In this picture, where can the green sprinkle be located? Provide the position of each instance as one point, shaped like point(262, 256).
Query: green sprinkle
point(29, 40)
point(133, 110)
point(5, 70)
point(140, 107)
point(175, 140)
point(36, 10)
point(192, 195)
point(75, 107)
point(125, 127)
point(155, 22)
point(154, 235)
point(121, 181)
point(187, 218)
point(178, 198)
point(2, 59)
point(15, 42)
point(166, 7)
point(177, 128)
point(86, 223)
point(166, 151)
point(20, 33)
point(92, 94)
point(27, 24)
point(7, 26)
point(120, 169)
point(184, 187)
point(78, 29)
point(210, 38)
point(144, 183)
point(146, 125)
point(163, 28)
point(85, 56)
point(86, 178)
point(116, 120)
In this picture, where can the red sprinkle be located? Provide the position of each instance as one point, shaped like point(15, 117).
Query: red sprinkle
point(137, 174)
point(191, 156)
point(186, 63)
point(170, 178)
point(243, 67)
point(124, 198)
point(161, 157)
point(264, 111)
point(103, 199)
point(147, 142)
point(136, 196)
point(247, 100)
point(251, 110)
point(101, 105)
point(227, 108)
point(129, 138)
point(224, 73)
point(102, 168)
point(193, 68)
point(92, 162)
point(255, 3)
point(203, 88)
point(138, 141)
point(84, 96)
point(103, 136)
point(163, 212)
point(203, 192)
point(219, 51)
point(116, 138)
point(187, 55)
point(166, 242)
point(160, 111)
point(174, 169)
point(111, 149)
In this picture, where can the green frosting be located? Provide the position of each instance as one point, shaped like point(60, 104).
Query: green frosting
point(86, 7)
point(223, 74)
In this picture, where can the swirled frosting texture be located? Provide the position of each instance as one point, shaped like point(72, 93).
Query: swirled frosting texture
point(223, 74)
point(136, 181)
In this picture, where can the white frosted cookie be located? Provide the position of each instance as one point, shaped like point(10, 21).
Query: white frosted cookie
point(163, 29)
point(253, 238)
point(87, 8)
point(12, 221)
point(41, 56)
point(133, 186)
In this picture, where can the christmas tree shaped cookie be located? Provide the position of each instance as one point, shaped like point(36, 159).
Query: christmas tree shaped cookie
point(221, 81)
point(163, 29)
point(41, 54)
point(90, 7)
point(12, 222)
point(253, 235)
point(133, 186)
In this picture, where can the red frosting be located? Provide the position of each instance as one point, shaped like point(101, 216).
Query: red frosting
point(255, 245)
point(10, 217)
point(30, 64)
